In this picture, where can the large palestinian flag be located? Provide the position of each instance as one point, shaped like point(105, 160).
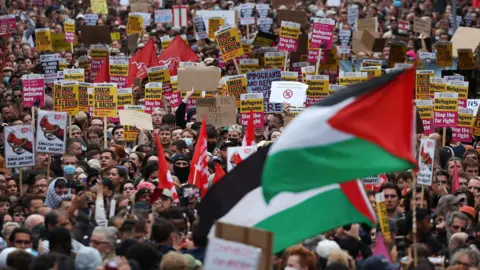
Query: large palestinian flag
point(305, 184)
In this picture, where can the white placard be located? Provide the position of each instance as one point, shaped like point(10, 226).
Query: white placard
point(51, 132)
point(227, 255)
point(235, 155)
point(426, 157)
point(19, 150)
point(293, 93)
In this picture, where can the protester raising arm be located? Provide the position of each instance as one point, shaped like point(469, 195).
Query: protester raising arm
point(182, 109)
point(84, 226)
point(100, 216)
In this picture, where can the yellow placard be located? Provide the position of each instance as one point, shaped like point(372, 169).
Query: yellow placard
point(437, 85)
point(43, 39)
point(476, 125)
point(134, 24)
point(124, 98)
point(465, 118)
point(397, 53)
point(348, 80)
point(120, 70)
point(165, 41)
point(105, 100)
point(77, 75)
point(174, 83)
point(57, 96)
point(289, 32)
point(153, 95)
point(229, 42)
point(383, 218)
point(237, 85)
point(214, 25)
point(372, 71)
point(422, 84)
point(99, 6)
point(257, 105)
point(130, 133)
point(115, 36)
point(83, 96)
point(425, 111)
point(445, 104)
point(59, 43)
point(70, 97)
point(317, 86)
point(460, 88)
point(310, 70)
point(274, 59)
point(466, 61)
point(444, 54)
point(331, 61)
point(247, 65)
point(159, 74)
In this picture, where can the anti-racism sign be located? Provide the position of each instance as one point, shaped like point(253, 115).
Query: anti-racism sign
point(51, 132)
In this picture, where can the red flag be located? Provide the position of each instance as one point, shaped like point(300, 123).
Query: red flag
point(178, 51)
point(103, 74)
point(455, 182)
point(475, 3)
point(249, 137)
point(219, 172)
point(164, 177)
point(145, 58)
point(381, 248)
point(199, 167)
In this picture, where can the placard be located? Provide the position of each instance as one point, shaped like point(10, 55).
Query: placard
point(425, 110)
point(383, 216)
point(163, 16)
point(83, 104)
point(229, 42)
point(118, 70)
point(99, 34)
point(247, 65)
point(214, 24)
point(43, 39)
point(274, 59)
point(134, 118)
point(252, 103)
point(198, 78)
point(235, 155)
point(437, 85)
point(225, 255)
point(322, 33)
point(99, 6)
point(236, 85)
point(289, 32)
point(153, 96)
point(426, 158)
point(180, 16)
point(219, 111)
point(461, 88)
point(19, 150)
point(160, 74)
point(69, 26)
point(51, 132)
point(105, 100)
point(74, 74)
point(444, 54)
point(466, 61)
point(33, 90)
point(398, 51)
point(70, 97)
point(348, 78)
point(372, 72)
point(352, 16)
point(8, 23)
point(293, 93)
point(91, 19)
point(463, 131)
point(134, 24)
point(246, 14)
point(422, 84)
point(317, 88)
point(229, 16)
point(422, 25)
point(260, 82)
point(445, 109)
point(291, 76)
point(200, 28)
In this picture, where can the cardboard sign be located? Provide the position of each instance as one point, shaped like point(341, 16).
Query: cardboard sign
point(370, 24)
point(261, 81)
point(422, 25)
point(96, 34)
point(51, 132)
point(134, 24)
point(153, 96)
point(383, 216)
point(142, 7)
point(397, 53)
point(465, 38)
point(461, 88)
point(214, 24)
point(235, 155)
point(135, 118)
point(426, 158)
point(437, 85)
point(199, 78)
point(252, 103)
point(322, 33)
point(466, 61)
point(317, 88)
point(99, 6)
point(200, 28)
point(422, 84)
point(19, 150)
point(425, 110)
point(289, 32)
point(296, 16)
point(219, 111)
point(293, 93)
point(247, 65)
point(33, 90)
point(444, 54)
point(163, 16)
point(229, 42)
point(118, 70)
point(8, 23)
point(105, 100)
point(445, 109)
point(348, 78)
point(463, 132)
point(43, 40)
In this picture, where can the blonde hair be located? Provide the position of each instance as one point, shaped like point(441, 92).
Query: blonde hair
point(174, 261)
point(341, 257)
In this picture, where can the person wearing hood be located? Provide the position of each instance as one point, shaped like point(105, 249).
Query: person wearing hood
point(58, 190)
point(181, 167)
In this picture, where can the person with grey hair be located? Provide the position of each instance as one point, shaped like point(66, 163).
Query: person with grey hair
point(468, 257)
point(104, 240)
point(33, 220)
point(456, 222)
point(88, 258)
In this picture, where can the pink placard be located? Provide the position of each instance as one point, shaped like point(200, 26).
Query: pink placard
point(33, 92)
point(8, 22)
point(287, 44)
point(322, 34)
point(258, 119)
point(173, 99)
point(445, 119)
point(461, 134)
point(427, 126)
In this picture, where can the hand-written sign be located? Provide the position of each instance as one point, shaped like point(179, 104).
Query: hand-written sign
point(219, 111)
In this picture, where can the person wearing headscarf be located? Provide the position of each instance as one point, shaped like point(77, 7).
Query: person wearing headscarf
point(58, 190)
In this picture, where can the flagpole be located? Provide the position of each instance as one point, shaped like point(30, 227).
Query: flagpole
point(317, 66)
point(414, 221)
point(444, 135)
point(285, 63)
point(236, 65)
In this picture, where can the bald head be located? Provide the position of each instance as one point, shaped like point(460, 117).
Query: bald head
point(33, 220)
point(43, 210)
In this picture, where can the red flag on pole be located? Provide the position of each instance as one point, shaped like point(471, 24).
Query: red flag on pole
point(455, 183)
point(199, 167)
point(178, 51)
point(145, 58)
point(165, 180)
point(249, 137)
point(219, 173)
